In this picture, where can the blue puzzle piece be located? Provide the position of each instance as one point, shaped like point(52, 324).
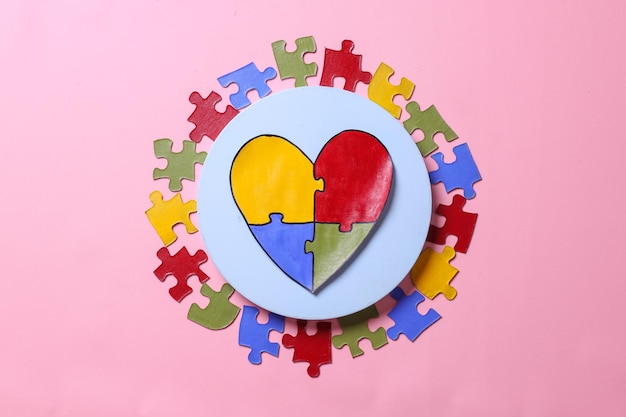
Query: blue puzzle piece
point(254, 335)
point(408, 320)
point(462, 173)
point(248, 78)
point(285, 243)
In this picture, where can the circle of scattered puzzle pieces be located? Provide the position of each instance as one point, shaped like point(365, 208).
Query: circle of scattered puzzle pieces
point(351, 239)
point(312, 116)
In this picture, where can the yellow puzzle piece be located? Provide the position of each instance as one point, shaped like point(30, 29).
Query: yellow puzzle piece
point(271, 175)
point(382, 92)
point(164, 215)
point(432, 273)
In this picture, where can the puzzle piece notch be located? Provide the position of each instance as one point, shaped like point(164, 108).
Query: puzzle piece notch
point(247, 78)
point(430, 123)
point(180, 165)
point(219, 313)
point(208, 120)
point(314, 349)
point(462, 173)
point(432, 273)
point(181, 266)
point(355, 328)
point(344, 64)
point(291, 64)
point(458, 223)
point(382, 92)
point(409, 321)
point(255, 335)
point(165, 214)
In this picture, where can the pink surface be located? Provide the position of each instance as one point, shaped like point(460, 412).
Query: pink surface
point(536, 88)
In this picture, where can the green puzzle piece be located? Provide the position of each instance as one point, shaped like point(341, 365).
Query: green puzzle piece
point(354, 328)
point(332, 248)
point(430, 123)
point(291, 64)
point(219, 313)
point(180, 165)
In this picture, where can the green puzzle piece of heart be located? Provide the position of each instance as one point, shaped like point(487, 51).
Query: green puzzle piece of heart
point(332, 248)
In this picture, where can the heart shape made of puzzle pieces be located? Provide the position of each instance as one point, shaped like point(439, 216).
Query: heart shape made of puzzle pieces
point(310, 218)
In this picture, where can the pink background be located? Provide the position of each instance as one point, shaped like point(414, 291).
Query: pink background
point(536, 88)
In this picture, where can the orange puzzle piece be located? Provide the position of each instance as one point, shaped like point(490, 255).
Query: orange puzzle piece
point(382, 92)
point(165, 214)
point(432, 273)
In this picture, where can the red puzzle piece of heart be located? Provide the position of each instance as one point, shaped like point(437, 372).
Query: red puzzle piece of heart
point(357, 172)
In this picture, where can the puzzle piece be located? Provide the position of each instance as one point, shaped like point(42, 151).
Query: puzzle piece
point(219, 313)
point(408, 320)
point(430, 123)
point(165, 214)
point(344, 64)
point(357, 172)
point(314, 349)
point(462, 173)
point(291, 64)
point(247, 78)
point(332, 248)
point(382, 92)
point(432, 273)
point(180, 165)
point(255, 335)
point(181, 265)
point(209, 122)
point(458, 223)
point(355, 328)
point(284, 243)
point(271, 175)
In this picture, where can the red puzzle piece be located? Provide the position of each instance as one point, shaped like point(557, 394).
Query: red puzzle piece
point(313, 349)
point(209, 122)
point(344, 64)
point(181, 265)
point(458, 223)
point(357, 170)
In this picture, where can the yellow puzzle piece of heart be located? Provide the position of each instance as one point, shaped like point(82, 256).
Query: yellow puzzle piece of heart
point(271, 175)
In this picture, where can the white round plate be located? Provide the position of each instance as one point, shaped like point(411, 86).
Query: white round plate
point(309, 117)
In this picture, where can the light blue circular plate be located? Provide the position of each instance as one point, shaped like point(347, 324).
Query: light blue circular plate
point(309, 117)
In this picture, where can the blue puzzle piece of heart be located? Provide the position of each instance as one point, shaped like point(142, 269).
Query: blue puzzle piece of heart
point(408, 320)
point(462, 173)
point(248, 78)
point(254, 335)
point(285, 243)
